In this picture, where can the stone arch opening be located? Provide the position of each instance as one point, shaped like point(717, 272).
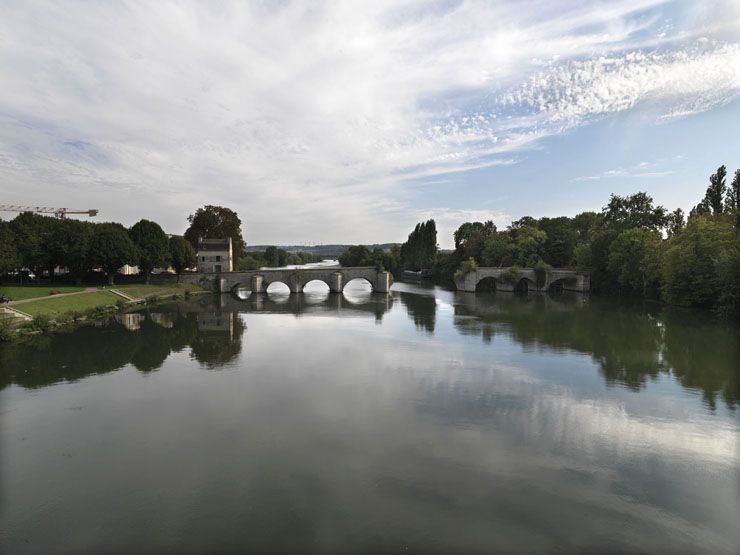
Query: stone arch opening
point(358, 290)
point(315, 284)
point(316, 290)
point(241, 291)
point(522, 286)
point(277, 288)
point(486, 285)
point(359, 284)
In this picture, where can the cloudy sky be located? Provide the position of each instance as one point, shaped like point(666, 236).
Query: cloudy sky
point(350, 121)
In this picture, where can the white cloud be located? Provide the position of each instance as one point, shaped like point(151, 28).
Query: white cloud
point(311, 118)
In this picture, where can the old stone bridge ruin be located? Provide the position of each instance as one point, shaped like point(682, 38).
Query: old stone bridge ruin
point(523, 279)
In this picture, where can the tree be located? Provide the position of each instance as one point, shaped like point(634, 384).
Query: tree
point(529, 244)
point(69, 247)
point(216, 222)
point(634, 257)
point(676, 222)
point(633, 211)
point(498, 250)
point(583, 223)
point(561, 240)
point(690, 263)
point(470, 238)
point(275, 257)
point(32, 233)
point(8, 249)
point(420, 249)
point(182, 254)
point(152, 246)
point(356, 255)
point(732, 199)
point(716, 190)
point(111, 248)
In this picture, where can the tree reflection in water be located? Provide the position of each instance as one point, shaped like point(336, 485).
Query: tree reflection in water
point(631, 343)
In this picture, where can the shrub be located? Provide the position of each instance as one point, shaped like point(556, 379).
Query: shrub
point(41, 322)
point(121, 305)
point(511, 274)
point(465, 268)
point(152, 299)
point(541, 269)
point(6, 329)
point(54, 292)
point(187, 294)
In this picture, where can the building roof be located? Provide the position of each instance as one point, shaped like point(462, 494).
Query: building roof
point(214, 244)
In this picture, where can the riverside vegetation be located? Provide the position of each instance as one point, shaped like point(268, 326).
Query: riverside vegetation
point(631, 247)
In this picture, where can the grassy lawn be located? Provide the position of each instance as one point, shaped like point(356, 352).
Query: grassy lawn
point(141, 291)
point(20, 292)
point(54, 306)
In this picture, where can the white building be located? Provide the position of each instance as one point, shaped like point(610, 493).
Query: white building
point(215, 255)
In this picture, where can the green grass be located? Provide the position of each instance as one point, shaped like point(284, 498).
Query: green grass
point(21, 292)
point(55, 306)
point(141, 291)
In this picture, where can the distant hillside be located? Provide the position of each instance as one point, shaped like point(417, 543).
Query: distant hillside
point(324, 251)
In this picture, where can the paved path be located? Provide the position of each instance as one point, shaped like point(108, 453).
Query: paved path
point(22, 301)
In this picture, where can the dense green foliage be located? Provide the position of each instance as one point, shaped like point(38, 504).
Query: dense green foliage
point(111, 247)
point(274, 257)
point(152, 246)
point(420, 249)
point(32, 243)
point(216, 222)
point(631, 247)
point(360, 255)
point(182, 254)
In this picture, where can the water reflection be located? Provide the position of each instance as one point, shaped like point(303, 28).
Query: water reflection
point(374, 426)
point(633, 344)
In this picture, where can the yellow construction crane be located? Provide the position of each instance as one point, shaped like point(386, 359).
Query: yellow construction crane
point(60, 213)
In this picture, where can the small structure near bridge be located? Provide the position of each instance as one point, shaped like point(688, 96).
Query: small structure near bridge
point(215, 255)
point(523, 279)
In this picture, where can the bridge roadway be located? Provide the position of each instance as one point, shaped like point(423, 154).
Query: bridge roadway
point(525, 279)
point(257, 281)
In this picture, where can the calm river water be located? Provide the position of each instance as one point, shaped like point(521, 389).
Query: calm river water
point(424, 421)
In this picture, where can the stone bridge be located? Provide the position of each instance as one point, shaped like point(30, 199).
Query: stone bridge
point(524, 279)
point(257, 281)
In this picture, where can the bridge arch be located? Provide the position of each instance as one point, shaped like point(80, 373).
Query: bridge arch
point(486, 285)
point(524, 285)
point(277, 287)
point(315, 281)
point(358, 280)
point(241, 291)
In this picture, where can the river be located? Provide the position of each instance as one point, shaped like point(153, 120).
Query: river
point(424, 421)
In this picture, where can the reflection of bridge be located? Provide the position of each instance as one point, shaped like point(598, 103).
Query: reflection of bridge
point(524, 279)
point(257, 281)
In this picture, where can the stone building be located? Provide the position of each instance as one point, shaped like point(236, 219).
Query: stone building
point(215, 255)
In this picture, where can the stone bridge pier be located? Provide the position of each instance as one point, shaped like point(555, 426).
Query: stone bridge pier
point(258, 281)
point(524, 279)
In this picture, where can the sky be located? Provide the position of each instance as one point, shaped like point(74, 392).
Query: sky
point(348, 122)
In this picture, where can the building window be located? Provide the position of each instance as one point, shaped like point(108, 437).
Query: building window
point(218, 258)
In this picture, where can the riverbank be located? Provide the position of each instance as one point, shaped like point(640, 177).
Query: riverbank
point(57, 307)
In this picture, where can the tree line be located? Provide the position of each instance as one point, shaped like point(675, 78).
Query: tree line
point(631, 247)
point(42, 244)
point(273, 257)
